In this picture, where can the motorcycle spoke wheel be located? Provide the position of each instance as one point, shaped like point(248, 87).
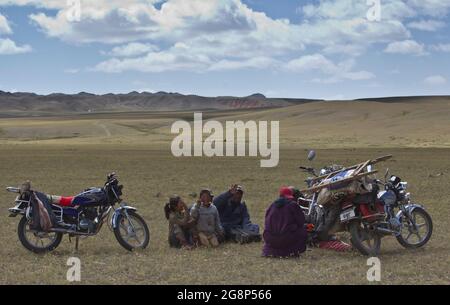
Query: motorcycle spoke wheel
point(366, 241)
point(416, 229)
point(132, 231)
point(415, 232)
point(36, 239)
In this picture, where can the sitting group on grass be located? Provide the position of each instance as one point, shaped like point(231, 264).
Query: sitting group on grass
point(213, 220)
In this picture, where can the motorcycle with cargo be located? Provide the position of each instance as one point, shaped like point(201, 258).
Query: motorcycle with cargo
point(350, 199)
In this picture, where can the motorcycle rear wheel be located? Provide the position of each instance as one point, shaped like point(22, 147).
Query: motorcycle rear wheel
point(127, 232)
point(365, 241)
point(34, 241)
point(415, 229)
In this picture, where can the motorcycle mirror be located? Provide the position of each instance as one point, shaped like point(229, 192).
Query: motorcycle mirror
point(311, 155)
point(386, 174)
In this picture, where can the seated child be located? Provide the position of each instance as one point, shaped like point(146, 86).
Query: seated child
point(208, 227)
point(180, 223)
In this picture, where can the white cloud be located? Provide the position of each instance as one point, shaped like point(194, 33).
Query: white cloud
point(9, 47)
point(205, 21)
point(443, 47)
point(174, 59)
point(312, 62)
point(439, 8)
point(131, 20)
point(252, 63)
point(348, 49)
point(427, 25)
point(435, 80)
point(132, 49)
point(334, 72)
point(224, 34)
point(350, 9)
point(405, 47)
point(53, 4)
point(4, 25)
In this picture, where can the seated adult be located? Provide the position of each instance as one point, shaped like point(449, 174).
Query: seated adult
point(234, 216)
point(284, 231)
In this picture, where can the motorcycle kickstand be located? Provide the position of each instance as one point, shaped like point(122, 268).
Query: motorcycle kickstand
point(77, 239)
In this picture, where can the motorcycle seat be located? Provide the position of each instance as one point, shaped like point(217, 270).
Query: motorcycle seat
point(63, 201)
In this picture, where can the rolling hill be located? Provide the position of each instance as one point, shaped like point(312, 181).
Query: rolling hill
point(386, 122)
point(30, 104)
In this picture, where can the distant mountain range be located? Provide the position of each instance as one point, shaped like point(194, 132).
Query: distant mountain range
point(25, 104)
point(31, 104)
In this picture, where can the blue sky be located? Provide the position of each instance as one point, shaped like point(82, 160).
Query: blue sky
point(285, 48)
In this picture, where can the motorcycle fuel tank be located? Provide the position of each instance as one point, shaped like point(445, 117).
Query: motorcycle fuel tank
point(92, 196)
point(388, 197)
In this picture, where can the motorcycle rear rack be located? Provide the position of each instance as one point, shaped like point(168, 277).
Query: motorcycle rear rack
point(58, 212)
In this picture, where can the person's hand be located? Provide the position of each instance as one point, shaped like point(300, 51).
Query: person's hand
point(233, 189)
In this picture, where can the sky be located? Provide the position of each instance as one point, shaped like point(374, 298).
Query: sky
point(327, 49)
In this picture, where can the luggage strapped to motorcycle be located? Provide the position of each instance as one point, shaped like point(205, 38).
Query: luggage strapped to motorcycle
point(326, 182)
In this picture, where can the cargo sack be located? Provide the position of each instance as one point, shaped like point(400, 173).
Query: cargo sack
point(43, 218)
point(333, 195)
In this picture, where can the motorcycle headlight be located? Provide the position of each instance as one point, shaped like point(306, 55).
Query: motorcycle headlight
point(405, 197)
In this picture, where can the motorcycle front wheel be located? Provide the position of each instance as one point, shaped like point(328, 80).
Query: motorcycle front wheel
point(366, 241)
point(416, 230)
point(37, 242)
point(132, 232)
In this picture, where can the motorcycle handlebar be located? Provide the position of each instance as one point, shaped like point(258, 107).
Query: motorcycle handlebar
point(308, 170)
point(13, 189)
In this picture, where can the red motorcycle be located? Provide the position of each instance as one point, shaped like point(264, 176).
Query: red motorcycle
point(349, 199)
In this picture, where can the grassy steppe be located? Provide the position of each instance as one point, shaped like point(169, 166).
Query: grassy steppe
point(66, 154)
point(145, 172)
point(339, 124)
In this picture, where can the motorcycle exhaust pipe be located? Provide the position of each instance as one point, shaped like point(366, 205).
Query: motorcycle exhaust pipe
point(57, 230)
point(384, 231)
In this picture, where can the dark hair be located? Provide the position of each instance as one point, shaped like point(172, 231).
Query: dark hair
point(171, 205)
point(206, 191)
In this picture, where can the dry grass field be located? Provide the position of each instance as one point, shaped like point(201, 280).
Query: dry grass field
point(64, 155)
point(338, 124)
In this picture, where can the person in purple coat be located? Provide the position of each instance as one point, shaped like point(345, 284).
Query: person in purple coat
point(284, 231)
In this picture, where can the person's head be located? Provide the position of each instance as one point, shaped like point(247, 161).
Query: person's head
point(175, 204)
point(238, 194)
point(295, 192)
point(286, 192)
point(206, 196)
